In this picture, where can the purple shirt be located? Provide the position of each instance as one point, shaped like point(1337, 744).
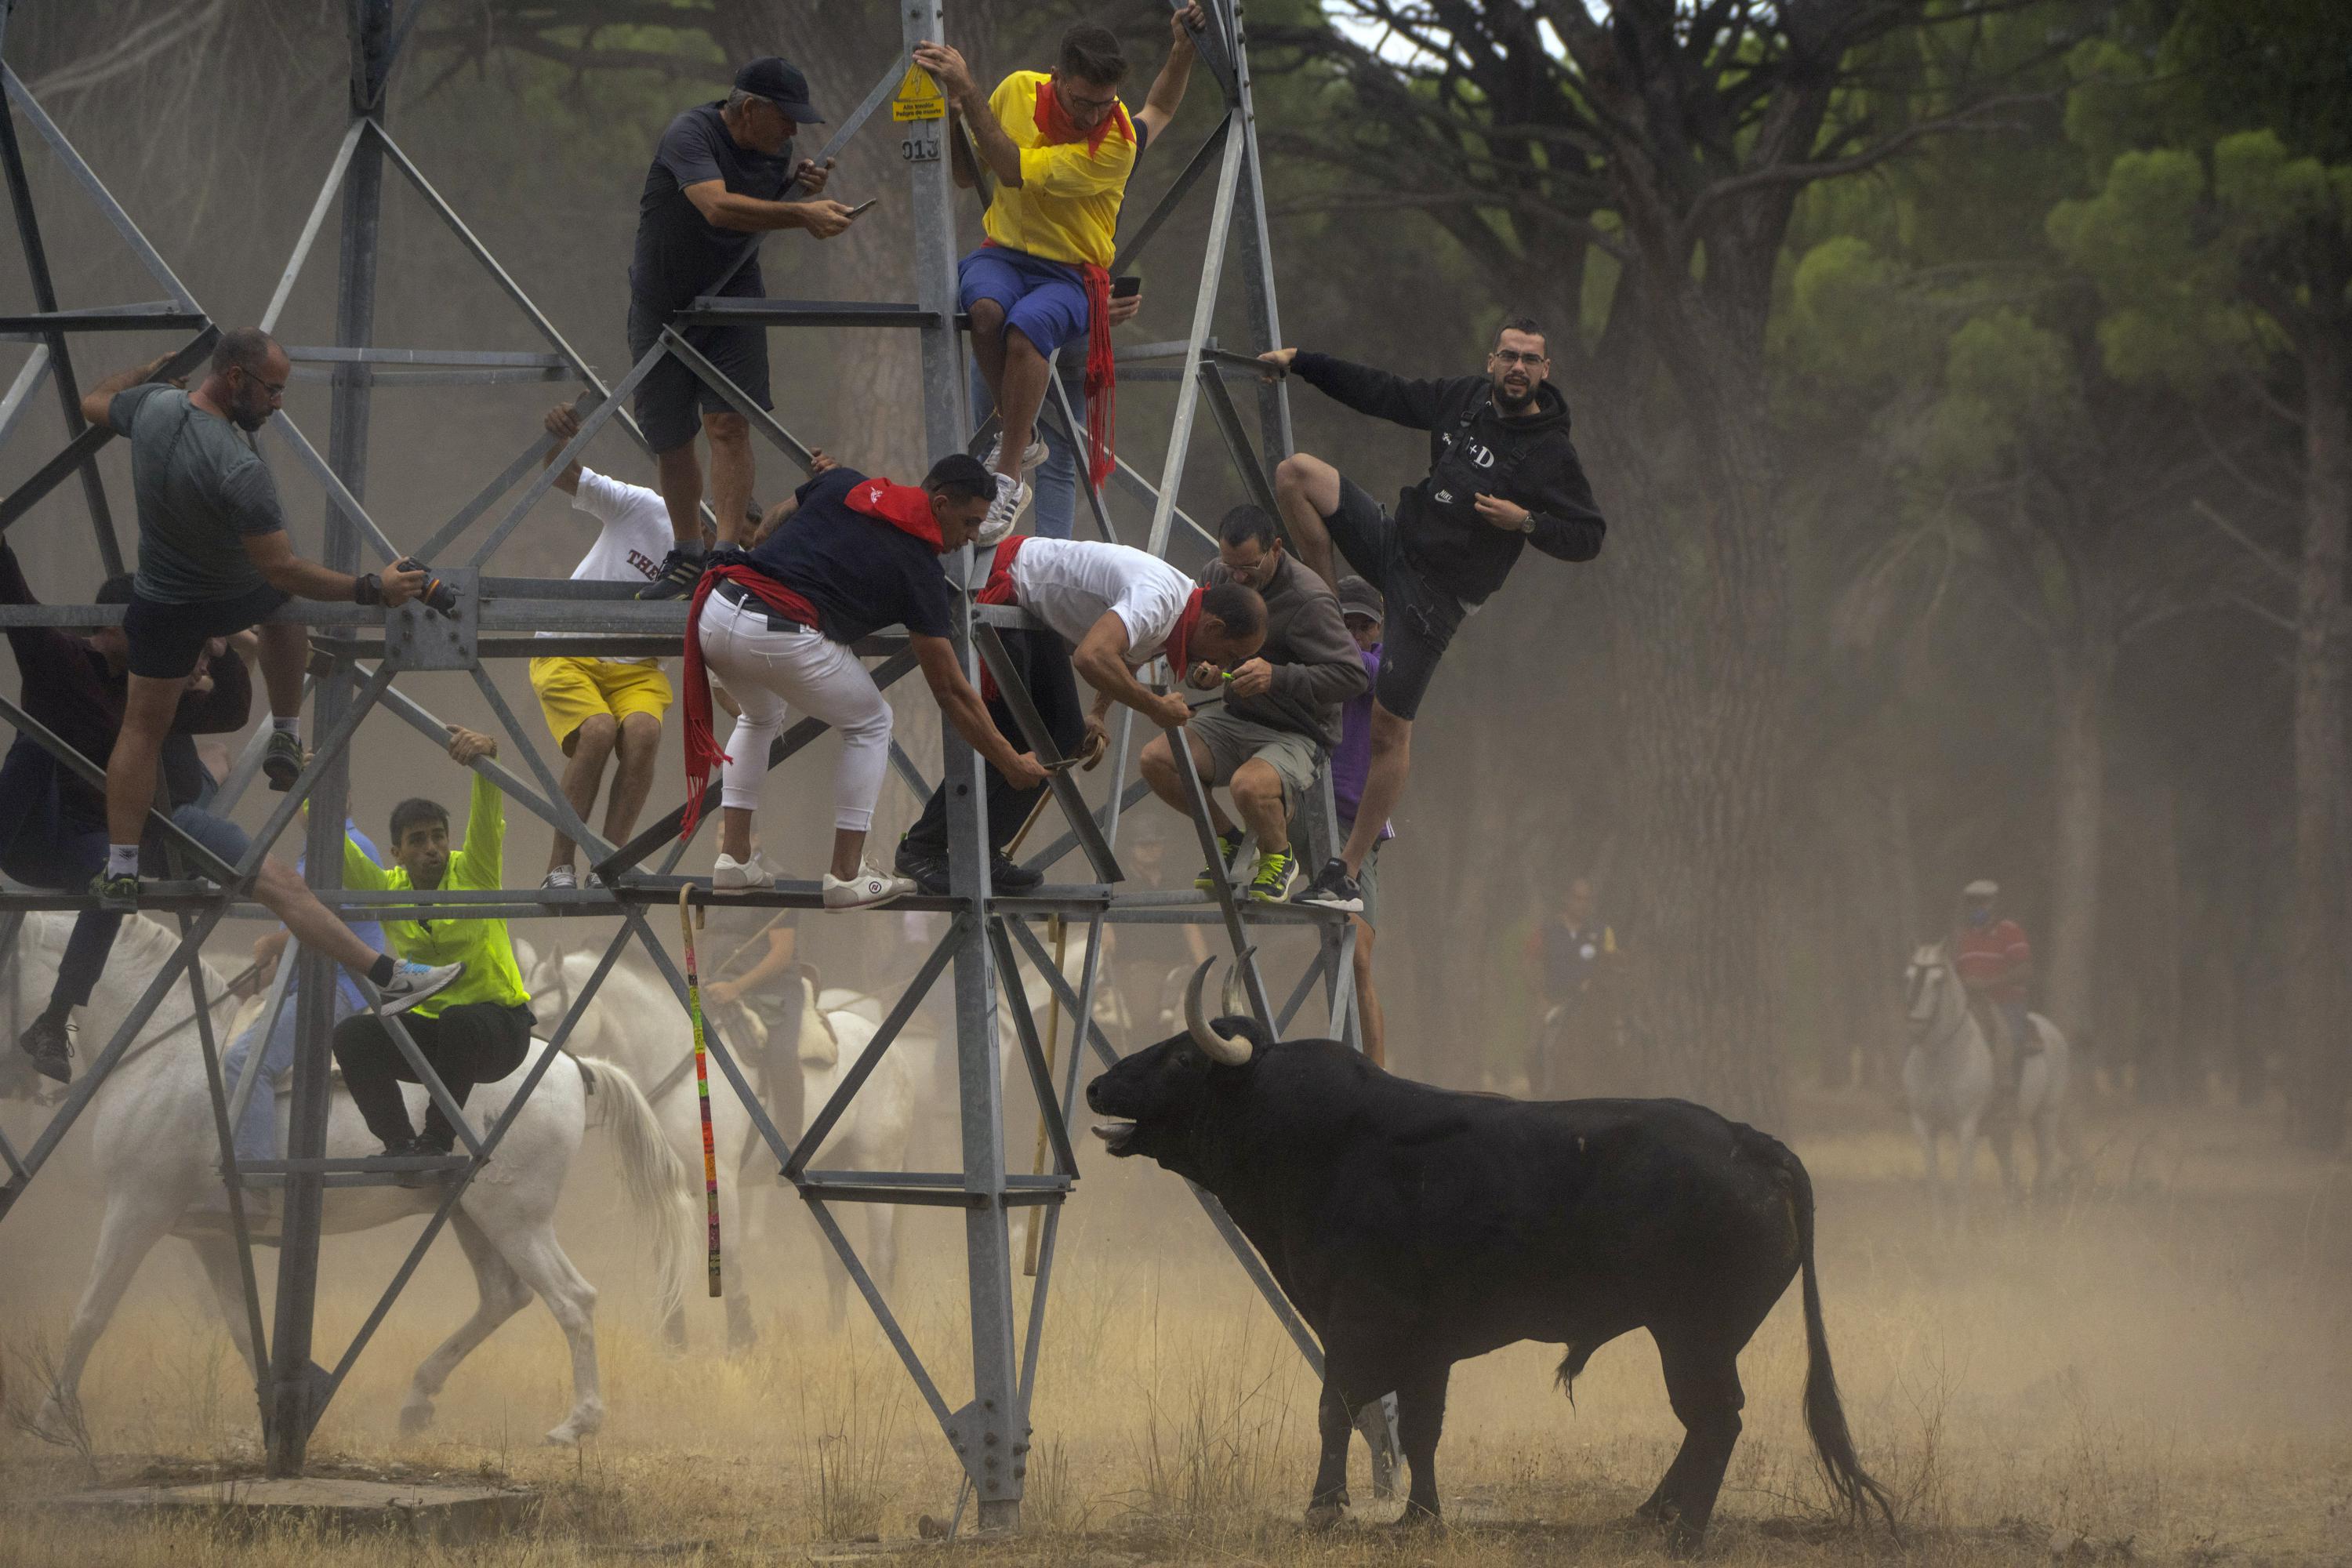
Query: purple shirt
point(1353, 759)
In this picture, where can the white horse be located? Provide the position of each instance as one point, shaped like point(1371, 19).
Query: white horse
point(1948, 1081)
point(154, 1145)
point(636, 1020)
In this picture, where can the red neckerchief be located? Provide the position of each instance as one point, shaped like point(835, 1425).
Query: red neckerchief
point(998, 590)
point(1180, 641)
point(1055, 127)
point(904, 507)
point(702, 753)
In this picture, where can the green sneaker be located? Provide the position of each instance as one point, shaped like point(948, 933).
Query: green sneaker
point(1228, 846)
point(116, 895)
point(1277, 870)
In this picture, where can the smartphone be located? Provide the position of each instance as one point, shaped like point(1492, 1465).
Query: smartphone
point(863, 205)
point(1126, 287)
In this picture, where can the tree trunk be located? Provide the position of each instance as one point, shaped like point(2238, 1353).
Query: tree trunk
point(1699, 584)
point(2317, 954)
point(2080, 676)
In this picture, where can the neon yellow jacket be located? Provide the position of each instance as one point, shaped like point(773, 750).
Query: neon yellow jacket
point(1066, 208)
point(482, 946)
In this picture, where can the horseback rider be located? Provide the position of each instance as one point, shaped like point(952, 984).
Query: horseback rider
point(1995, 962)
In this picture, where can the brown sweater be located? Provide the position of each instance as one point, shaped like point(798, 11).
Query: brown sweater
point(1315, 663)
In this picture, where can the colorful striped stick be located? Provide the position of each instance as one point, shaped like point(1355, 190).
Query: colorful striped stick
point(688, 917)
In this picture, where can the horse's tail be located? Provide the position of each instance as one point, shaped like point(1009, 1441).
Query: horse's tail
point(656, 1177)
point(1824, 1412)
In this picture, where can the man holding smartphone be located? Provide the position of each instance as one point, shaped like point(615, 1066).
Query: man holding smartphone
point(714, 188)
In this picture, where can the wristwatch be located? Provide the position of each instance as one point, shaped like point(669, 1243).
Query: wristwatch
point(1528, 523)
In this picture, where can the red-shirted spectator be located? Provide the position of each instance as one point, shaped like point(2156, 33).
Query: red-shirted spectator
point(1993, 957)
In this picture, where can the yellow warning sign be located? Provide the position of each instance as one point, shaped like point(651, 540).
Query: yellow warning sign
point(919, 98)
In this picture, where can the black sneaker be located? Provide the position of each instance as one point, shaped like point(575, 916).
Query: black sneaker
point(1228, 846)
point(1332, 889)
point(929, 872)
point(1005, 877)
point(117, 895)
point(679, 574)
point(46, 1042)
point(281, 763)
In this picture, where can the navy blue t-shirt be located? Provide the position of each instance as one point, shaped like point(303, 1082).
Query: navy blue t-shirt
point(680, 253)
point(859, 572)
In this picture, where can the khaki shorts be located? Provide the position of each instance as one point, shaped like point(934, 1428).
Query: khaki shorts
point(1231, 742)
point(573, 690)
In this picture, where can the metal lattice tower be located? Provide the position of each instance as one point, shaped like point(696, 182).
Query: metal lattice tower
point(360, 652)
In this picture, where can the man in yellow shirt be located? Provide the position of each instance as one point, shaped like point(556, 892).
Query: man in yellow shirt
point(479, 1029)
point(1061, 147)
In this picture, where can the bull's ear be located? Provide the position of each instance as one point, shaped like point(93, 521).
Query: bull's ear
point(1226, 1049)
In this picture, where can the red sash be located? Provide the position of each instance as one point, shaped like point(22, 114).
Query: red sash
point(1054, 128)
point(702, 753)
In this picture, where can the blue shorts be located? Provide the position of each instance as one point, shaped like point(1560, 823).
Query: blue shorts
point(1045, 300)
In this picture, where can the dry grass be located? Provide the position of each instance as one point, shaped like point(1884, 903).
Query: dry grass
point(2154, 1369)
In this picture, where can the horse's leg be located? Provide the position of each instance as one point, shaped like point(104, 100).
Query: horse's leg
point(1926, 1135)
point(2003, 1136)
point(129, 1231)
point(503, 1294)
point(740, 1333)
point(1964, 1140)
point(218, 1255)
point(541, 1261)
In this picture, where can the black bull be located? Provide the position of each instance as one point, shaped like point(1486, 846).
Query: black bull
point(1413, 1228)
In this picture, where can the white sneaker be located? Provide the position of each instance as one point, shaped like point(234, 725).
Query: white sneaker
point(733, 876)
point(411, 983)
point(1004, 513)
point(1032, 456)
point(866, 889)
point(564, 878)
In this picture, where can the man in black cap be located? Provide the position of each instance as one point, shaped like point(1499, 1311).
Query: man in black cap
point(714, 188)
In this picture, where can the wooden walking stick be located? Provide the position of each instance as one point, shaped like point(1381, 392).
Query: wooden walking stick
point(688, 917)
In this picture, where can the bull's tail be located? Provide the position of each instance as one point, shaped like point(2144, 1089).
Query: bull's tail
point(1824, 1412)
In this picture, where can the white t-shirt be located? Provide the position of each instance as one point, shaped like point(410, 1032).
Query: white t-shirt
point(630, 546)
point(1069, 584)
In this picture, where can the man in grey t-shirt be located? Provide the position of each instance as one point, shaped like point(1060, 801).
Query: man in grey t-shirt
point(213, 560)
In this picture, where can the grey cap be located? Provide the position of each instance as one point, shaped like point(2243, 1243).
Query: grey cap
point(1982, 887)
point(1358, 598)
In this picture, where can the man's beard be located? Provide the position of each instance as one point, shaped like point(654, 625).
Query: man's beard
point(248, 420)
point(1511, 404)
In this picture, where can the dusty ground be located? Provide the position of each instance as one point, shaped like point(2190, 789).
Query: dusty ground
point(2157, 1367)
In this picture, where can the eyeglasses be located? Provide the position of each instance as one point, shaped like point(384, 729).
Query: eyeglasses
point(1506, 357)
point(274, 389)
point(1089, 108)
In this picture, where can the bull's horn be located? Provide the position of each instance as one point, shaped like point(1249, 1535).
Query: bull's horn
point(1231, 1051)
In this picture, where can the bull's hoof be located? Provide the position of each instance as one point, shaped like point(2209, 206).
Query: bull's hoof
point(1325, 1515)
point(414, 1417)
point(1419, 1518)
point(1686, 1540)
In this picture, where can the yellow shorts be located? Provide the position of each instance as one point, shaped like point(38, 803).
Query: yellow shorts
point(573, 690)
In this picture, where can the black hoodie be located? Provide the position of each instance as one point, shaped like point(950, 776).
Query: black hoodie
point(1473, 450)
